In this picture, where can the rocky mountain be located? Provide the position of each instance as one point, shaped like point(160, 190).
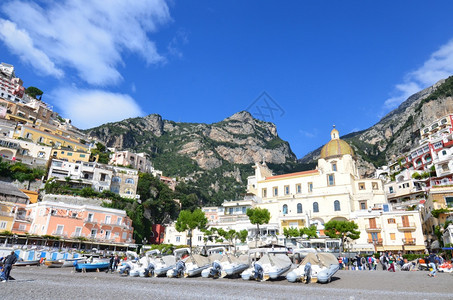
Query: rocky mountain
point(398, 131)
point(218, 156)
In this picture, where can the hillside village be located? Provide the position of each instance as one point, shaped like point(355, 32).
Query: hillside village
point(406, 206)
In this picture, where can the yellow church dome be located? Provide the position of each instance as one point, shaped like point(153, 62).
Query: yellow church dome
point(336, 146)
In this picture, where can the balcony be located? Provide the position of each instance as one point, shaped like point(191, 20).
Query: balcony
point(90, 220)
point(406, 226)
point(375, 228)
point(76, 235)
point(6, 214)
point(375, 242)
point(63, 234)
point(409, 241)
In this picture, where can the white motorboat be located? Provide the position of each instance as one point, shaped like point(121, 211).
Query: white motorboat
point(227, 265)
point(316, 267)
point(195, 264)
point(271, 264)
point(146, 262)
point(131, 266)
point(160, 266)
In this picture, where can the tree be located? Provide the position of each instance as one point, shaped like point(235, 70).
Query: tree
point(342, 230)
point(242, 235)
point(189, 221)
point(309, 232)
point(258, 216)
point(290, 232)
point(33, 92)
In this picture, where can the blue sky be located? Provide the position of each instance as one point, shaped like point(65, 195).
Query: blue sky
point(319, 63)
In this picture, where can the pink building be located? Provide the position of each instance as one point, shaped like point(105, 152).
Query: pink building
point(71, 221)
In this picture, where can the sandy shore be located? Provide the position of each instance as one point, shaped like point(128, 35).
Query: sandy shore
point(44, 283)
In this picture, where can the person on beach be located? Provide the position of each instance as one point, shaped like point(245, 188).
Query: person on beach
point(116, 262)
point(2, 274)
point(432, 259)
point(10, 260)
point(111, 262)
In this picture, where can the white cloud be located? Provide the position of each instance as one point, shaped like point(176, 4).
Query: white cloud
point(88, 36)
point(90, 108)
point(309, 134)
point(19, 42)
point(438, 66)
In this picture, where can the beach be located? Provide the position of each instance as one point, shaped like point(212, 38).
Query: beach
point(64, 283)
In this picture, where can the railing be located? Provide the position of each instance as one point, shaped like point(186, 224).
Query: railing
point(60, 233)
point(409, 241)
point(75, 235)
point(90, 220)
point(6, 214)
point(406, 226)
point(375, 242)
point(373, 228)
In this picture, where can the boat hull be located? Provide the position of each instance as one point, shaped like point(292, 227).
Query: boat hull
point(92, 266)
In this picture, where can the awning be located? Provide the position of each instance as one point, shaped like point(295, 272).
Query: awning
point(380, 248)
point(414, 248)
point(393, 248)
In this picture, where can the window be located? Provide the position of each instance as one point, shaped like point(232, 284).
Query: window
point(119, 220)
point(178, 239)
point(336, 205)
point(107, 234)
point(310, 187)
point(363, 205)
point(81, 155)
point(275, 191)
point(315, 207)
point(69, 153)
point(244, 209)
point(330, 180)
point(392, 236)
point(374, 185)
point(444, 152)
point(299, 208)
point(334, 167)
point(449, 201)
point(286, 189)
point(116, 179)
point(90, 217)
point(285, 209)
point(130, 180)
point(78, 231)
point(264, 193)
point(108, 219)
point(230, 210)
point(391, 221)
point(103, 176)
point(93, 233)
point(391, 189)
point(115, 189)
point(3, 225)
point(124, 236)
point(361, 185)
point(59, 229)
point(298, 188)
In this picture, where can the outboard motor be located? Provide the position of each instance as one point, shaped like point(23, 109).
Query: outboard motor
point(125, 269)
point(180, 267)
point(259, 272)
point(307, 272)
point(215, 270)
point(150, 270)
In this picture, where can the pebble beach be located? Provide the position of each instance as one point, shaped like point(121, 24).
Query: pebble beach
point(64, 283)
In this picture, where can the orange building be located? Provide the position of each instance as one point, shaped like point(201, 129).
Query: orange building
point(72, 221)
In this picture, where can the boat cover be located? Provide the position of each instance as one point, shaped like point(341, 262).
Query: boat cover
point(199, 260)
point(320, 259)
point(278, 260)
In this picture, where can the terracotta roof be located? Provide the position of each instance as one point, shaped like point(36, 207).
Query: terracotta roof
point(293, 174)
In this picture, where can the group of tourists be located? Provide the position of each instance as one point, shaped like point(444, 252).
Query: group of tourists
point(389, 261)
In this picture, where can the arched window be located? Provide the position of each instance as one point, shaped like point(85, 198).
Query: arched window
point(299, 208)
point(285, 209)
point(336, 205)
point(116, 179)
point(315, 207)
point(130, 180)
point(115, 189)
